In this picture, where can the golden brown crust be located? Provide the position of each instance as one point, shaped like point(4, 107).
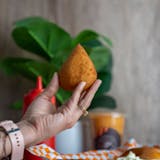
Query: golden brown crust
point(145, 152)
point(77, 68)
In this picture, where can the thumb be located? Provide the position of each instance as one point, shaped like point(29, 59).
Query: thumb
point(52, 87)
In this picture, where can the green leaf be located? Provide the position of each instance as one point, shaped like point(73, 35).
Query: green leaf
point(103, 101)
point(44, 69)
point(41, 37)
point(84, 36)
point(101, 57)
point(14, 65)
point(107, 40)
point(63, 95)
point(106, 78)
point(17, 105)
point(61, 57)
point(28, 68)
point(91, 43)
point(91, 38)
point(24, 40)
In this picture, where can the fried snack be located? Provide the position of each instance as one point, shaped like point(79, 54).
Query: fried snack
point(145, 152)
point(77, 68)
point(150, 153)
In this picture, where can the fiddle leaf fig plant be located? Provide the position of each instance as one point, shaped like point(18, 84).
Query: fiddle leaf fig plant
point(53, 45)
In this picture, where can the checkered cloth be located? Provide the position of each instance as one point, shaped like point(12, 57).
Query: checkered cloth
point(47, 152)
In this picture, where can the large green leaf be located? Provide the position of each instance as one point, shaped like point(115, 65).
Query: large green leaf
point(101, 57)
point(90, 37)
point(103, 101)
point(40, 36)
point(106, 78)
point(28, 68)
point(24, 40)
point(61, 57)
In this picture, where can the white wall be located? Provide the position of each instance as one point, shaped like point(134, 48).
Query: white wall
point(133, 26)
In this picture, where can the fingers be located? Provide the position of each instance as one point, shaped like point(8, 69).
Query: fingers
point(77, 93)
point(83, 94)
point(52, 87)
point(86, 100)
point(78, 103)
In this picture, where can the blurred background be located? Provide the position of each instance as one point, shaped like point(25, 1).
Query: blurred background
point(133, 27)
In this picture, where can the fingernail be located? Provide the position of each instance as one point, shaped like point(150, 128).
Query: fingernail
point(83, 84)
point(99, 81)
point(55, 74)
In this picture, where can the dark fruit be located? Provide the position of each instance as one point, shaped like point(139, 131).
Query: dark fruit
point(110, 139)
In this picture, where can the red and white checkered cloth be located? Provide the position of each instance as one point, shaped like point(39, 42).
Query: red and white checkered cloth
point(47, 152)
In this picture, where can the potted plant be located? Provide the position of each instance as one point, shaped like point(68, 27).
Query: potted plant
point(51, 45)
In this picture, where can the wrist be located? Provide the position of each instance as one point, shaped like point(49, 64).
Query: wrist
point(5, 145)
point(28, 132)
point(13, 140)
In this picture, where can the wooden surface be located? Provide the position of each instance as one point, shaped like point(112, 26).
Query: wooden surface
point(133, 26)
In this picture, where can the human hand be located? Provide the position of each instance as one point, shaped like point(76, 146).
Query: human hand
point(42, 120)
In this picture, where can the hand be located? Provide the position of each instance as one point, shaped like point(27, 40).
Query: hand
point(42, 120)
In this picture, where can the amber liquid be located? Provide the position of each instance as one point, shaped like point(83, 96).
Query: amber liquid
point(108, 120)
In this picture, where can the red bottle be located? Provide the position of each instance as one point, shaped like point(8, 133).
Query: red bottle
point(27, 100)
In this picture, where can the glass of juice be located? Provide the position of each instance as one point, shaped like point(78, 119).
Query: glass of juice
point(104, 120)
